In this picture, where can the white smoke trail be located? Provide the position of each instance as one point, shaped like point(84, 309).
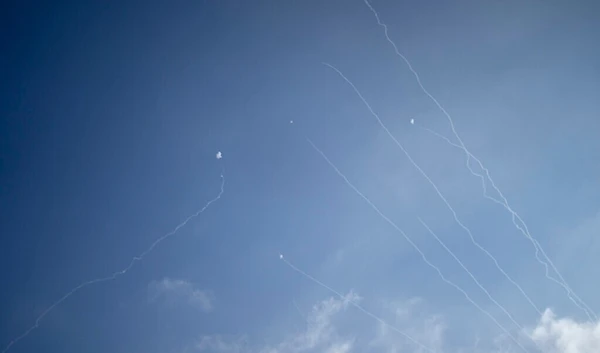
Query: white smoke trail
point(468, 271)
point(469, 155)
point(300, 312)
point(439, 272)
point(356, 305)
point(387, 37)
point(523, 229)
point(439, 193)
point(116, 274)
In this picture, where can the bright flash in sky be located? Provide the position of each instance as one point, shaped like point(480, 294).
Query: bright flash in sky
point(219, 155)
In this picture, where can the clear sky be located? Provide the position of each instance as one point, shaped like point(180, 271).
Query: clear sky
point(112, 116)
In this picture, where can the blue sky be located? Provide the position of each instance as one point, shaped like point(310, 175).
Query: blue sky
point(112, 116)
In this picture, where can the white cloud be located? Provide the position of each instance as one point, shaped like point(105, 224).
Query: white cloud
point(427, 329)
point(565, 335)
point(177, 290)
point(219, 155)
point(320, 334)
point(340, 347)
point(221, 344)
point(325, 332)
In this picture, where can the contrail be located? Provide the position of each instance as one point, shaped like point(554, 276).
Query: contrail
point(356, 305)
point(118, 273)
point(395, 226)
point(523, 229)
point(439, 193)
point(469, 155)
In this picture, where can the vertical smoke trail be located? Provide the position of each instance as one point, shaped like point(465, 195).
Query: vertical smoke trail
point(399, 230)
point(116, 274)
point(439, 193)
point(469, 155)
point(523, 229)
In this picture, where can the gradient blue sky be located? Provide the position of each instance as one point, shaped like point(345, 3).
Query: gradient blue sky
point(111, 116)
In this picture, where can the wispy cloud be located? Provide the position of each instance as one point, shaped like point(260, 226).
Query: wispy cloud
point(219, 343)
point(326, 331)
point(341, 347)
point(320, 331)
point(428, 329)
point(320, 334)
point(177, 290)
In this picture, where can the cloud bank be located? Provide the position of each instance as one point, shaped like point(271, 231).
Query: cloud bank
point(555, 335)
point(320, 334)
point(326, 331)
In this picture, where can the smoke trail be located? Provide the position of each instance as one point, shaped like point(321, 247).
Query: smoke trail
point(300, 312)
point(439, 193)
point(387, 37)
point(356, 305)
point(395, 226)
point(523, 229)
point(469, 272)
point(116, 274)
point(469, 155)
